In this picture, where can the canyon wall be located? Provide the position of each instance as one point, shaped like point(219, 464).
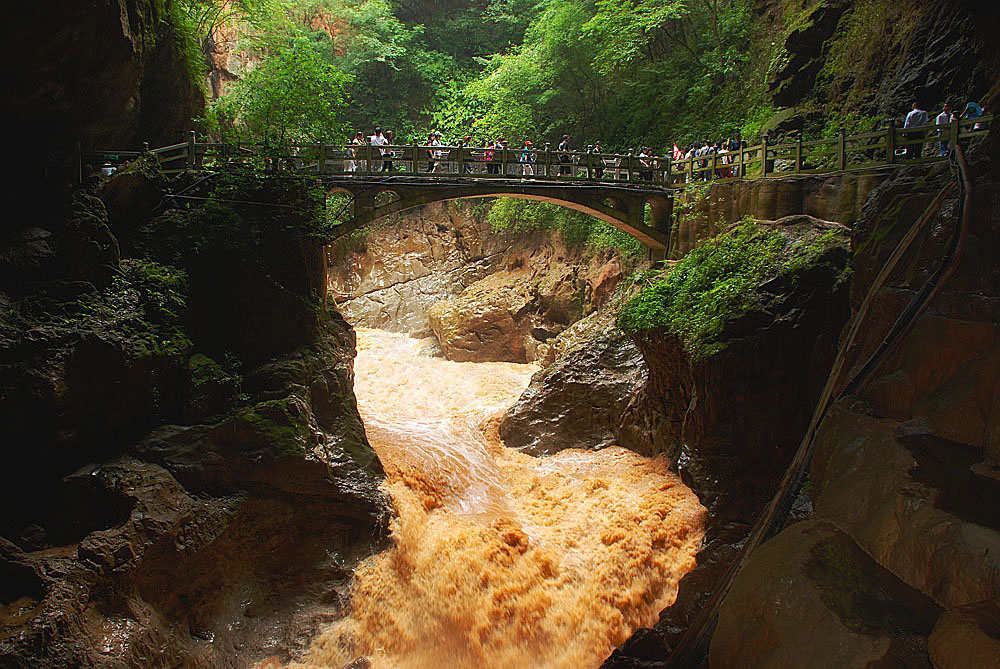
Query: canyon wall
point(703, 209)
point(484, 294)
point(187, 478)
point(898, 563)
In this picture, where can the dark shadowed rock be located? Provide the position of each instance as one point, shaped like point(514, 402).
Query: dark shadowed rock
point(812, 598)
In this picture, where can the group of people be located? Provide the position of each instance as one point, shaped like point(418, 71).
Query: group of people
point(914, 126)
point(520, 159)
point(728, 152)
point(713, 159)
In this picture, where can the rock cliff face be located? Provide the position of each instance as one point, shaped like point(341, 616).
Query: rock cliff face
point(484, 295)
point(187, 477)
point(876, 57)
point(405, 266)
point(904, 475)
point(703, 211)
point(578, 400)
point(108, 74)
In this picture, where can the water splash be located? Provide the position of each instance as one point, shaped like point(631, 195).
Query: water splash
point(501, 559)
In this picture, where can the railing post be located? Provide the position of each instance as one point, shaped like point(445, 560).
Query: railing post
point(841, 150)
point(763, 155)
point(630, 152)
point(590, 162)
point(369, 153)
point(953, 131)
point(548, 159)
point(191, 142)
point(461, 159)
point(890, 143)
point(690, 169)
point(742, 170)
point(416, 159)
point(321, 158)
point(715, 166)
point(503, 161)
point(798, 154)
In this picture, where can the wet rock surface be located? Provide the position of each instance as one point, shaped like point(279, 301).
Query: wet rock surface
point(836, 197)
point(832, 606)
point(402, 268)
point(578, 400)
point(487, 296)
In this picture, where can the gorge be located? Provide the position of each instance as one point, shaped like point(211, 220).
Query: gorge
point(496, 432)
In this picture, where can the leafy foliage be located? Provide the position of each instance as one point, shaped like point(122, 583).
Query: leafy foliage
point(574, 227)
point(713, 284)
point(294, 96)
point(146, 301)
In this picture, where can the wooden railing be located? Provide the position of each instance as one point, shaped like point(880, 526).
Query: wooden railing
point(889, 146)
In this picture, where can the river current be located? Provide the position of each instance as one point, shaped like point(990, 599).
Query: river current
point(500, 559)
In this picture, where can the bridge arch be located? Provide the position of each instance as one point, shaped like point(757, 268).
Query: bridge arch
point(618, 205)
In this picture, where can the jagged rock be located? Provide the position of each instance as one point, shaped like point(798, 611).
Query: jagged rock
point(894, 496)
point(402, 269)
point(806, 47)
point(732, 419)
point(578, 400)
point(967, 637)
point(902, 467)
point(488, 321)
point(111, 75)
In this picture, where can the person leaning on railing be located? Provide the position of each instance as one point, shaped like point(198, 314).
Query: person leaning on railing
point(564, 159)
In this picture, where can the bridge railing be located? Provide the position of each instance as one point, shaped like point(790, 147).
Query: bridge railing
point(888, 146)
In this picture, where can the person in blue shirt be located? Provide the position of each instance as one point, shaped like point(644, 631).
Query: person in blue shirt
point(972, 110)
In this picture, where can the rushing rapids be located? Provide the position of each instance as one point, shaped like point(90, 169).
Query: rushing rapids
point(501, 559)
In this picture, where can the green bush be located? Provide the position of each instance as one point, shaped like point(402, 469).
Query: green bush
point(575, 228)
point(713, 284)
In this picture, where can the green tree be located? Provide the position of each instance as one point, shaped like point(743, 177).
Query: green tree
point(294, 96)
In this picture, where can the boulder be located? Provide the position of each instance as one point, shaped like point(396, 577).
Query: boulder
point(967, 637)
point(488, 321)
point(812, 598)
point(577, 401)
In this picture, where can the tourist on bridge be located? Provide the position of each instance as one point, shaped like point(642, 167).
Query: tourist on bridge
point(564, 158)
point(736, 145)
point(599, 170)
point(433, 153)
point(379, 140)
point(645, 164)
point(917, 118)
point(973, 110)
point(944, 118)
point(467, 165)
point(527, 158)
point(350, 164)
point(387, 154)
point(491, 166)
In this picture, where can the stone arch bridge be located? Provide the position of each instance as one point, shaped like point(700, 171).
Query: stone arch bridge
point(620, 205)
